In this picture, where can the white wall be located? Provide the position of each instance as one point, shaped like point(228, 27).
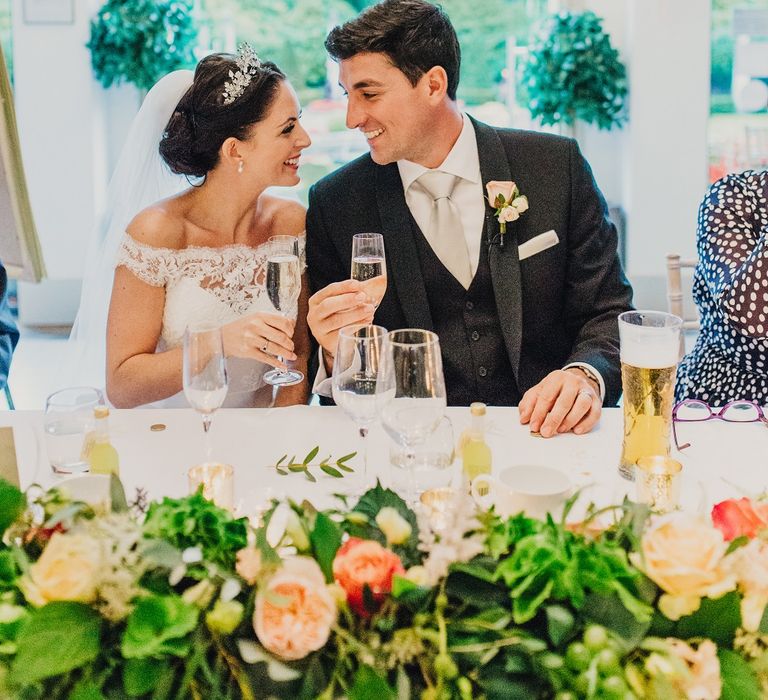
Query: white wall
point(62, 134)
point(665, 158)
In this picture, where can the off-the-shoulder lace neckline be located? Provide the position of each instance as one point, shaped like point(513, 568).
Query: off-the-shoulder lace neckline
point(204, 248)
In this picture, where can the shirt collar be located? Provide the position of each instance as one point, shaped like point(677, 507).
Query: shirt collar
point(462, 160)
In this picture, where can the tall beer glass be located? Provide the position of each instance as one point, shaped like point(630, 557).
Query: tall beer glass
point(650, 343)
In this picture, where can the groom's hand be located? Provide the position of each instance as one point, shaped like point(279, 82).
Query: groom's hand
point(332, 308)
point(564, 400)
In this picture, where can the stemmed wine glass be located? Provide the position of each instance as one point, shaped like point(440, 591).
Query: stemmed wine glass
point(204, 373)
point(283, 290)
point(355, 371)
point(410, 392)
point(369, 265)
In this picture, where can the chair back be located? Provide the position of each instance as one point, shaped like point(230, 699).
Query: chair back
point(680, 303)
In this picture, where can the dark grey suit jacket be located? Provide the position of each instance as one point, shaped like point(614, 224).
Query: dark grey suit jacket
point(555, 307)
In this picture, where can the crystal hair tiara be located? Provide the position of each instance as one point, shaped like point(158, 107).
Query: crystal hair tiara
point(248, 63)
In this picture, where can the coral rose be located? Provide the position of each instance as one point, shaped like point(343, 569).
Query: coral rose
point(294, 610)
point(684, 557)
point(739, 517)
point(364, 562)
point(68, 569)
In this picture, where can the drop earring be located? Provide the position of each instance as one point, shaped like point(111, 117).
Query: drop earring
point(240, 167)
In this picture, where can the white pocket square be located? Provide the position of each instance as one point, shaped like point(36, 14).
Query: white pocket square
point(537, 244)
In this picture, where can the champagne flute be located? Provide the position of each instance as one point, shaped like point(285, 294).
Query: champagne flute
point(369, 265)
point(204, 373)
point(355, 370)
point(410, 392)
point(283, 289)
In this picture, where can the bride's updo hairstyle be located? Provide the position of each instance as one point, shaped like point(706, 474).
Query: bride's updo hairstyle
point(204, 118)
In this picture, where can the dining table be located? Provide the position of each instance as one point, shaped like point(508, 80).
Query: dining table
point(157, 447)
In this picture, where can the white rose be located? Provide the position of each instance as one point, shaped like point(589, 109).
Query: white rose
point(521, 204)
point(394, 526)
point(68, 569)
point(509, 213)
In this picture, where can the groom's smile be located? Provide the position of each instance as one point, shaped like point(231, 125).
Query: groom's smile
point(391, 113)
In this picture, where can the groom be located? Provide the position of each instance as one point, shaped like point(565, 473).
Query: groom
point(525, 318)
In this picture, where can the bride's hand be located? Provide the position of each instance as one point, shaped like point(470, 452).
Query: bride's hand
point(261, 336)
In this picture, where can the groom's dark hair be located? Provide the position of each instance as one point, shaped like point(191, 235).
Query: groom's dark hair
point(416, 36)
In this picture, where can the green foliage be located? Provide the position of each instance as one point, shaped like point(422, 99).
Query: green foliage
point(325, 538)
point(285, 466)
point(554, 564)
point(58, 638)
point(739, 680)
point(159, 626)
point(573, 73)
point(369, 684)
point(194, 521)
point(716, 619)
point(139, 41)
point(12, 503)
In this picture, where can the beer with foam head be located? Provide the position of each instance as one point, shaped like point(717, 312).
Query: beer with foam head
point(650, 342)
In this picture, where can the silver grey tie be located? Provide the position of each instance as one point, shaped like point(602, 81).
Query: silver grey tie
point(446, 232)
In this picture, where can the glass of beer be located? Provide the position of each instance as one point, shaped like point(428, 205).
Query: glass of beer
point(650, 346)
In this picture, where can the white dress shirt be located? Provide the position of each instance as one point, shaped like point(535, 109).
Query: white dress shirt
point(463, 161)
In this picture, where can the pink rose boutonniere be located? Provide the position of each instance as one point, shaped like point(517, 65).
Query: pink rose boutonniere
point(509, 204)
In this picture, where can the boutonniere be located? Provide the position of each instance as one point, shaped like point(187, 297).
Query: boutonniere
point(506, 199)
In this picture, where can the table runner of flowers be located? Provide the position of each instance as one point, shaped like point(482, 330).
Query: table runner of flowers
point(180, 599)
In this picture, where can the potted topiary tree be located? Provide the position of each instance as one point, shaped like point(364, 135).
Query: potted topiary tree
point(140, 41)
point(572, 72)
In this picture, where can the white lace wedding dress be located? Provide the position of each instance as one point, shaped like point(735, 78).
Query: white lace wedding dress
point(216, 285)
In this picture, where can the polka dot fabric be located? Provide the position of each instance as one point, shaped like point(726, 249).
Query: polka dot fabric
point(730, 288)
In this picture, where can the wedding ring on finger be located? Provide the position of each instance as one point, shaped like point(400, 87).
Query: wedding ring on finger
point(587, 393)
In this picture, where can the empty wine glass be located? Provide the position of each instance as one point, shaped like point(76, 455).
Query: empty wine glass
point(283, 290)
point(355, 370)
point(369, 265)
point(68, 426)
point(410, 392)
point(204, 373)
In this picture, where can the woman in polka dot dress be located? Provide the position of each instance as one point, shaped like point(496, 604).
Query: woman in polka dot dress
point(730, 288)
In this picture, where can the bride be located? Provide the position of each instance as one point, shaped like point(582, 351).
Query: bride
point(200, 255)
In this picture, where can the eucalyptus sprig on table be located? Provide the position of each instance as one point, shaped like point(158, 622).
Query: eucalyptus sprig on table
point(326, 465)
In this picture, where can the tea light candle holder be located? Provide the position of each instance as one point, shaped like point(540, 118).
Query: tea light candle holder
point(217, 481)
point(437, 503)
point(657, 482)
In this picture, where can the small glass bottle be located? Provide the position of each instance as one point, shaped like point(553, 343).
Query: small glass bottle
point(475, 453)
point(102, 455)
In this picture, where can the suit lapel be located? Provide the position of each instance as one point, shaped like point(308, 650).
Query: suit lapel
point(402, 255)
point(504, 261)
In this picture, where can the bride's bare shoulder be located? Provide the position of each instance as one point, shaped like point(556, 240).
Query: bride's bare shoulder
point(287, 216)
point(160, 225)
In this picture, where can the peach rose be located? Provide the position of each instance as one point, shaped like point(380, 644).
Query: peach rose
point(750, 565)
point(294, 610)
point(684, 557)
point(68, 569)
point(740, 516)
point(496, 189)
point(249, 564)
point(703, 681)
point(364, 562)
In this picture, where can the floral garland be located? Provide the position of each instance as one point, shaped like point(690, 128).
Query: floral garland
point(183, 600)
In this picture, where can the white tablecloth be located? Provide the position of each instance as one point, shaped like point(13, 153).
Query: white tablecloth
point(724, 460)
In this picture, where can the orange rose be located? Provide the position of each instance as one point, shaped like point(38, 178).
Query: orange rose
point(738, 517)
point(295, 610)
point(364, 562)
